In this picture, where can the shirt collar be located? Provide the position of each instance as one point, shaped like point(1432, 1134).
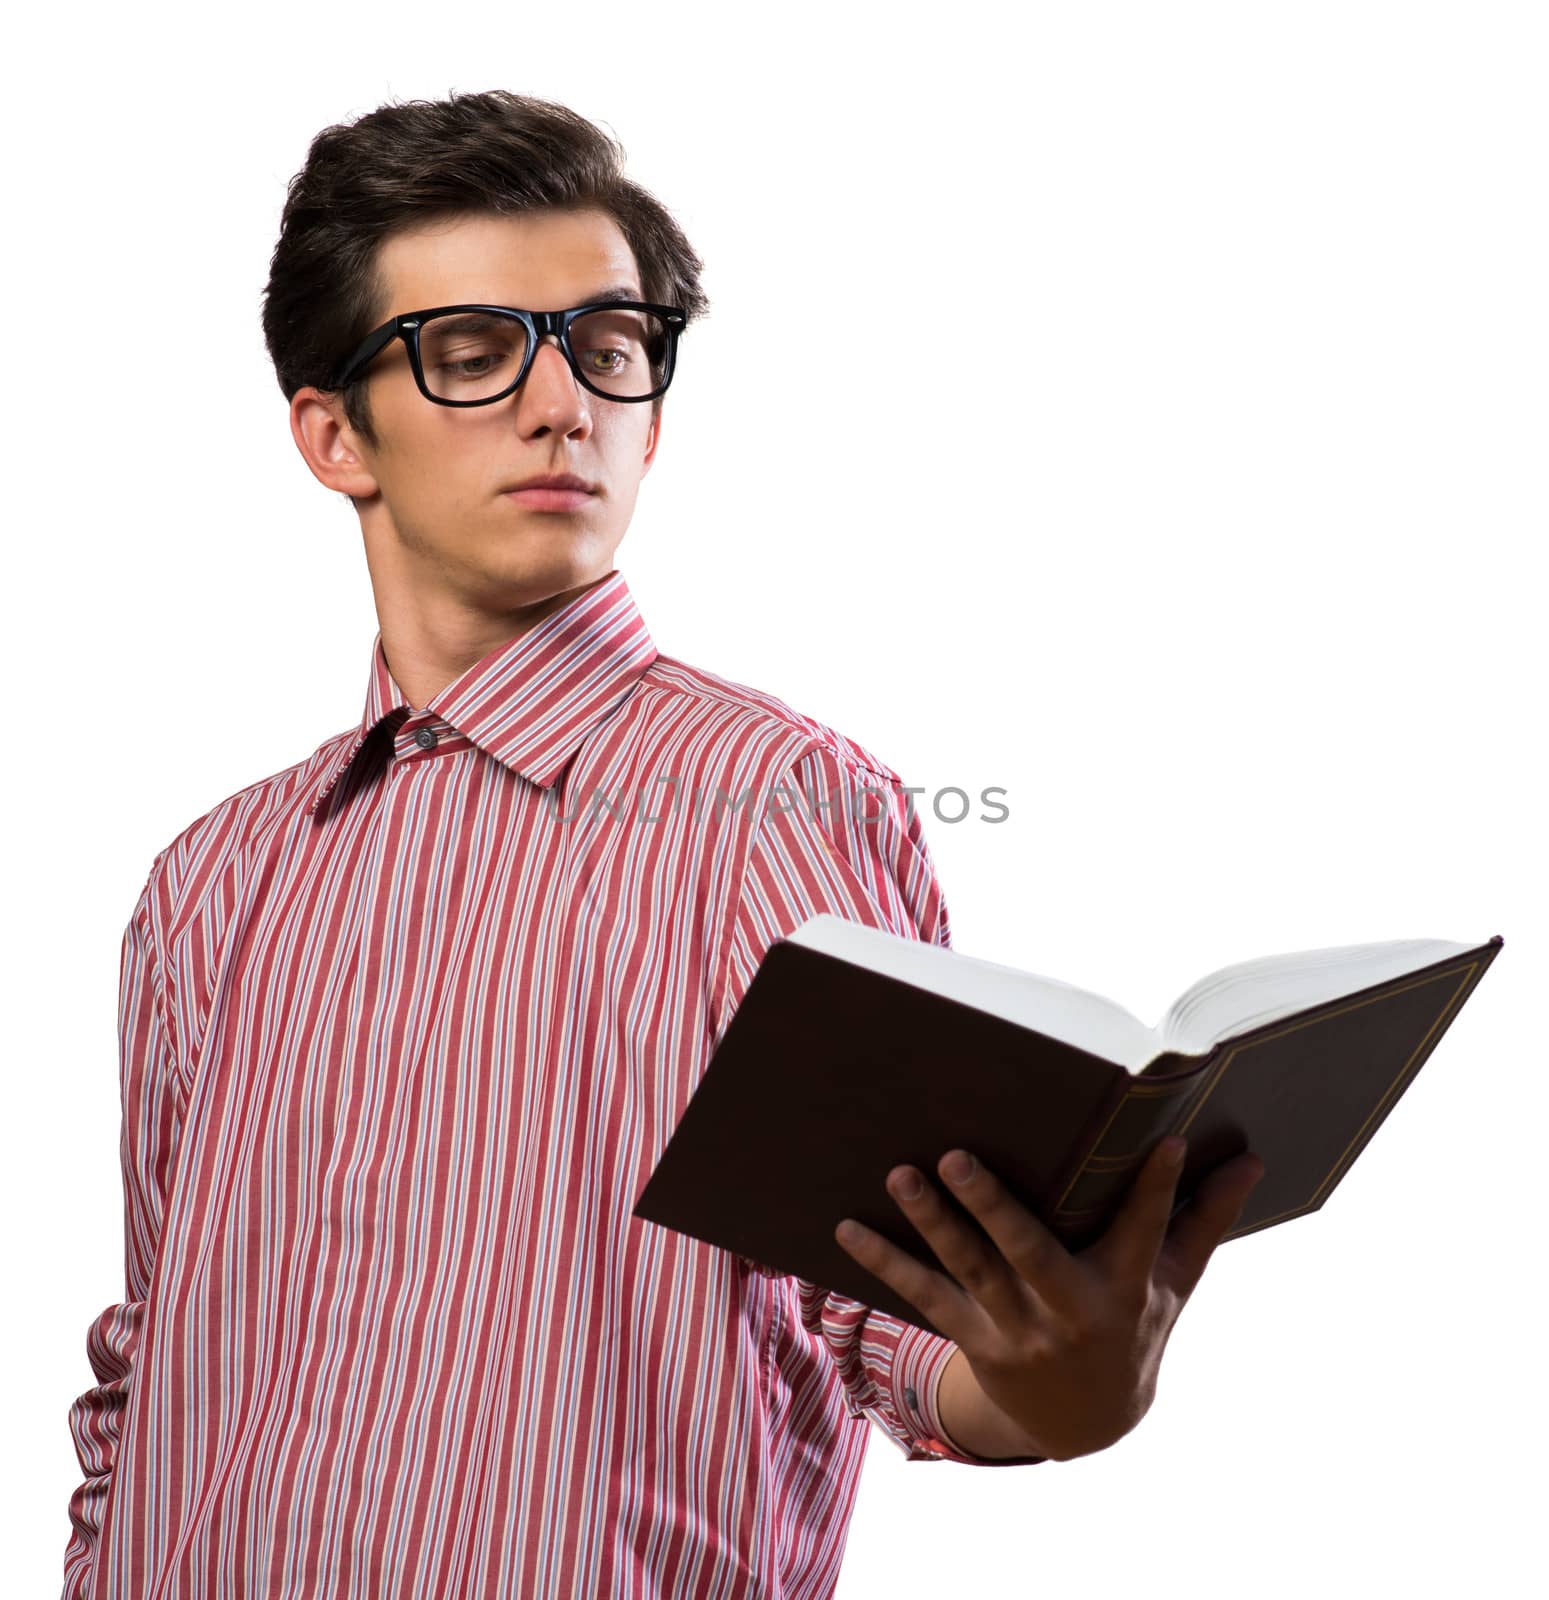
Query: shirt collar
point(531, 702)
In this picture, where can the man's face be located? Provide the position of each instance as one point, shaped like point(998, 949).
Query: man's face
point(440, 514)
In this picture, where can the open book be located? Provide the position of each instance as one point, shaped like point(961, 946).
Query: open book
point(855, 1050)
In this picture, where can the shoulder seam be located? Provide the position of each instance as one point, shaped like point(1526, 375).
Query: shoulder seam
point(167, 1065)
point(887, 775)
point(758, 703)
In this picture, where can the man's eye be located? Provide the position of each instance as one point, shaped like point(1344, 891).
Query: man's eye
point(468, 366)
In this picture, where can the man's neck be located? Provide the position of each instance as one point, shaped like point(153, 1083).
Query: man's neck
point(427, 652)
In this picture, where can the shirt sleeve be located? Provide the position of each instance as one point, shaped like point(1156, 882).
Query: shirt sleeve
point(839, 836)
point(151, 1118)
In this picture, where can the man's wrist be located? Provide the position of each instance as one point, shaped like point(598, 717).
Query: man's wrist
point(972, 1422)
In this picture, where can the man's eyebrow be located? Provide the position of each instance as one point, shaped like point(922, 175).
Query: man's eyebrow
point(612, 293)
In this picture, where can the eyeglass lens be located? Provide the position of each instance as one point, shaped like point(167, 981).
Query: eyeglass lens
point(474, 355)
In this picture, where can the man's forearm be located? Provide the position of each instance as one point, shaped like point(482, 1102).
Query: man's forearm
point(972, 1421)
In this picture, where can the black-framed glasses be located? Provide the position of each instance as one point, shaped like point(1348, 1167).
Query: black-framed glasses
point(473, 355)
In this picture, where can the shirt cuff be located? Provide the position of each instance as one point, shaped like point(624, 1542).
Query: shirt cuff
point(919, 1360)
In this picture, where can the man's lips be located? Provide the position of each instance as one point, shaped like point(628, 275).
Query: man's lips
point(551, 480)
point(545, 499)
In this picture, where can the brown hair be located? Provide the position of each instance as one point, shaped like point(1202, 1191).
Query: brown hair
point(406, 164)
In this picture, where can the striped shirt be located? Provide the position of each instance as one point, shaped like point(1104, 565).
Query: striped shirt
point(403, 1031)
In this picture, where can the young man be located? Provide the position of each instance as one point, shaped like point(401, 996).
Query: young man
point(406, 1026)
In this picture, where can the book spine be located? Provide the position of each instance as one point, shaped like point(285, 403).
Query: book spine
point(1114, 1150)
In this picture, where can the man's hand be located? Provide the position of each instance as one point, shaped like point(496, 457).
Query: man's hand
point(1065, 1346)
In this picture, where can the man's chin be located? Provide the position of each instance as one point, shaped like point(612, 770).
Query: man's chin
point(536, 576)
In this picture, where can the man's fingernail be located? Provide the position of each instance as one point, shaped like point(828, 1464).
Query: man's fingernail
point(1173, 1147)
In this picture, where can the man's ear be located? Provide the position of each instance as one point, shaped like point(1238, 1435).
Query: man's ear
point(328, 444)
point(652, 439)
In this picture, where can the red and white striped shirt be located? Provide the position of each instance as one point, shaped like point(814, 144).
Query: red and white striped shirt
point(404, 1029)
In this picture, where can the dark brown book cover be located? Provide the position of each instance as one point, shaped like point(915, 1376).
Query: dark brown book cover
point(829, 1075)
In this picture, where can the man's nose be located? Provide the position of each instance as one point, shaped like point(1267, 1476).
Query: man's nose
point(537, 355)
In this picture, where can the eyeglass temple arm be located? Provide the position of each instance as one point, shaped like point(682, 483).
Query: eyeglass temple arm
point(368, 349)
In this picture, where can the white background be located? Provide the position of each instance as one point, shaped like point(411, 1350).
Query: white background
point(1139, 408)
